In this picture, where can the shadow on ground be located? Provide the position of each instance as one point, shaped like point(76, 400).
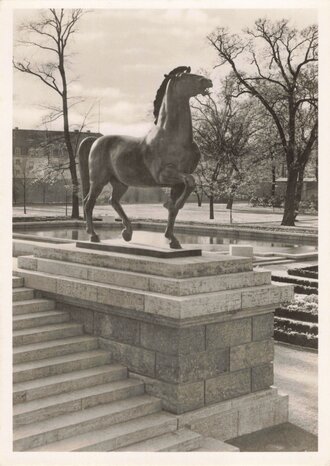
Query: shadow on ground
point(283, 437)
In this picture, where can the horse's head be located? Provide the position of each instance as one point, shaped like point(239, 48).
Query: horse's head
point(185, 85)
point(190, 85)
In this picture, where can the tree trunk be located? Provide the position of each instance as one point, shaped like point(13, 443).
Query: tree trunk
point(24, 194)
point(230, 202)
point(73, 169)
point(211, 207)
point(199, 199)
point(273, 183)
point(299, 188)
point(289, 203)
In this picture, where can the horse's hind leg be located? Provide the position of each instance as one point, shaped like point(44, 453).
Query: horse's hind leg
point(119, 189)
point(89, 203)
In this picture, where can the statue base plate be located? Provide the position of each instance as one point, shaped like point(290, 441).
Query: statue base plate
point(137, 249)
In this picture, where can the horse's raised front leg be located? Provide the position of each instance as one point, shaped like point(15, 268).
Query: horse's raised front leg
point(89, 203)
point(176, 192)
point(119, 189)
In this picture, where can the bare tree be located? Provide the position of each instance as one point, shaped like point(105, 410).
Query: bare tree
point(280, 70)
point(51, 34)
point(225, 132)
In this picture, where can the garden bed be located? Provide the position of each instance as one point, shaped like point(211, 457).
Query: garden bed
point(303, 284)
point(297, 323)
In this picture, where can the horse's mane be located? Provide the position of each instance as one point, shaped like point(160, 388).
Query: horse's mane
point(161, 91)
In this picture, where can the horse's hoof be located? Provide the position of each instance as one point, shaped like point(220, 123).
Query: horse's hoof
point(174, 244)
point(127, 235)
point(95, 239)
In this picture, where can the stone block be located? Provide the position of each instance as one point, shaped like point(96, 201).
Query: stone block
point(240, 250)
point(191, 367)
point(208, 264)
point(256, 297)
point(208, 284)
point(119, 297)
point(176, 398)
point(39, 282)
point(227, 386)
point(281, 409)
point(230, 333)
point(117, 328)
point(27, 262)
point(262, 377)
point(76, 289)
point(286, 292)
point(262, 277)
point(137, 360)
point(119, 278)
point(170, 340)
point(251, 354)
point(256, 416)
point(222, 426)
point(63, 268)
point(81, 315)
point(263, 326)
point(193, 306)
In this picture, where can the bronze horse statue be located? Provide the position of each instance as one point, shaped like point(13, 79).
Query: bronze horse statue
point(165, 157)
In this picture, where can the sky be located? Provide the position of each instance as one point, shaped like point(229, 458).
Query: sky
point(118, 59)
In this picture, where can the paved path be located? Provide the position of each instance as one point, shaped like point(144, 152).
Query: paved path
point(296, 375)
point(242, 213)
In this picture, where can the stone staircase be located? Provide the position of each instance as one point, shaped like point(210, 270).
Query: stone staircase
point(68, 396)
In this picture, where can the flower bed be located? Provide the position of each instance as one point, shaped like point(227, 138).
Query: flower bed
point(297, 322)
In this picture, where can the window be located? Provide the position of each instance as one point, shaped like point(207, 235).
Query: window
point(17, 151)
point(18, 161)
point(31, 151)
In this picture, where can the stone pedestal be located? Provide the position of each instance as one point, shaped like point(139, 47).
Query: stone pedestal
point(198, 330)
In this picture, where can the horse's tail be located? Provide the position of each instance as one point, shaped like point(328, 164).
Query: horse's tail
point(83, 153)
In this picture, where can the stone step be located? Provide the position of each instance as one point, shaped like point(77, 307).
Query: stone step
point(46, 333)
point(165, 305)
point(63, 383)
point(116, 436)
point(98, 417)
point(147, 282)
point(18, 282)
point(59, 365)
point(33, 305)
point(22, 294)
point(25, 321)
point(54, 348)
point(183, 267)
point(212, 444)
point(76, 400)
point(180, 440)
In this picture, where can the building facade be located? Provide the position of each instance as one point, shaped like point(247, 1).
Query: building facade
point(41, 174)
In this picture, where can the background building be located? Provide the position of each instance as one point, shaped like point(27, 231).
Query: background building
point(40, 169)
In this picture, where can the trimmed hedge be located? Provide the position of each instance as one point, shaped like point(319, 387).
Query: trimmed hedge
point(303, 316)
point(295, 281)
point(299, 289)
point(308, 272)
point(295, 338)
point(291, 325)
